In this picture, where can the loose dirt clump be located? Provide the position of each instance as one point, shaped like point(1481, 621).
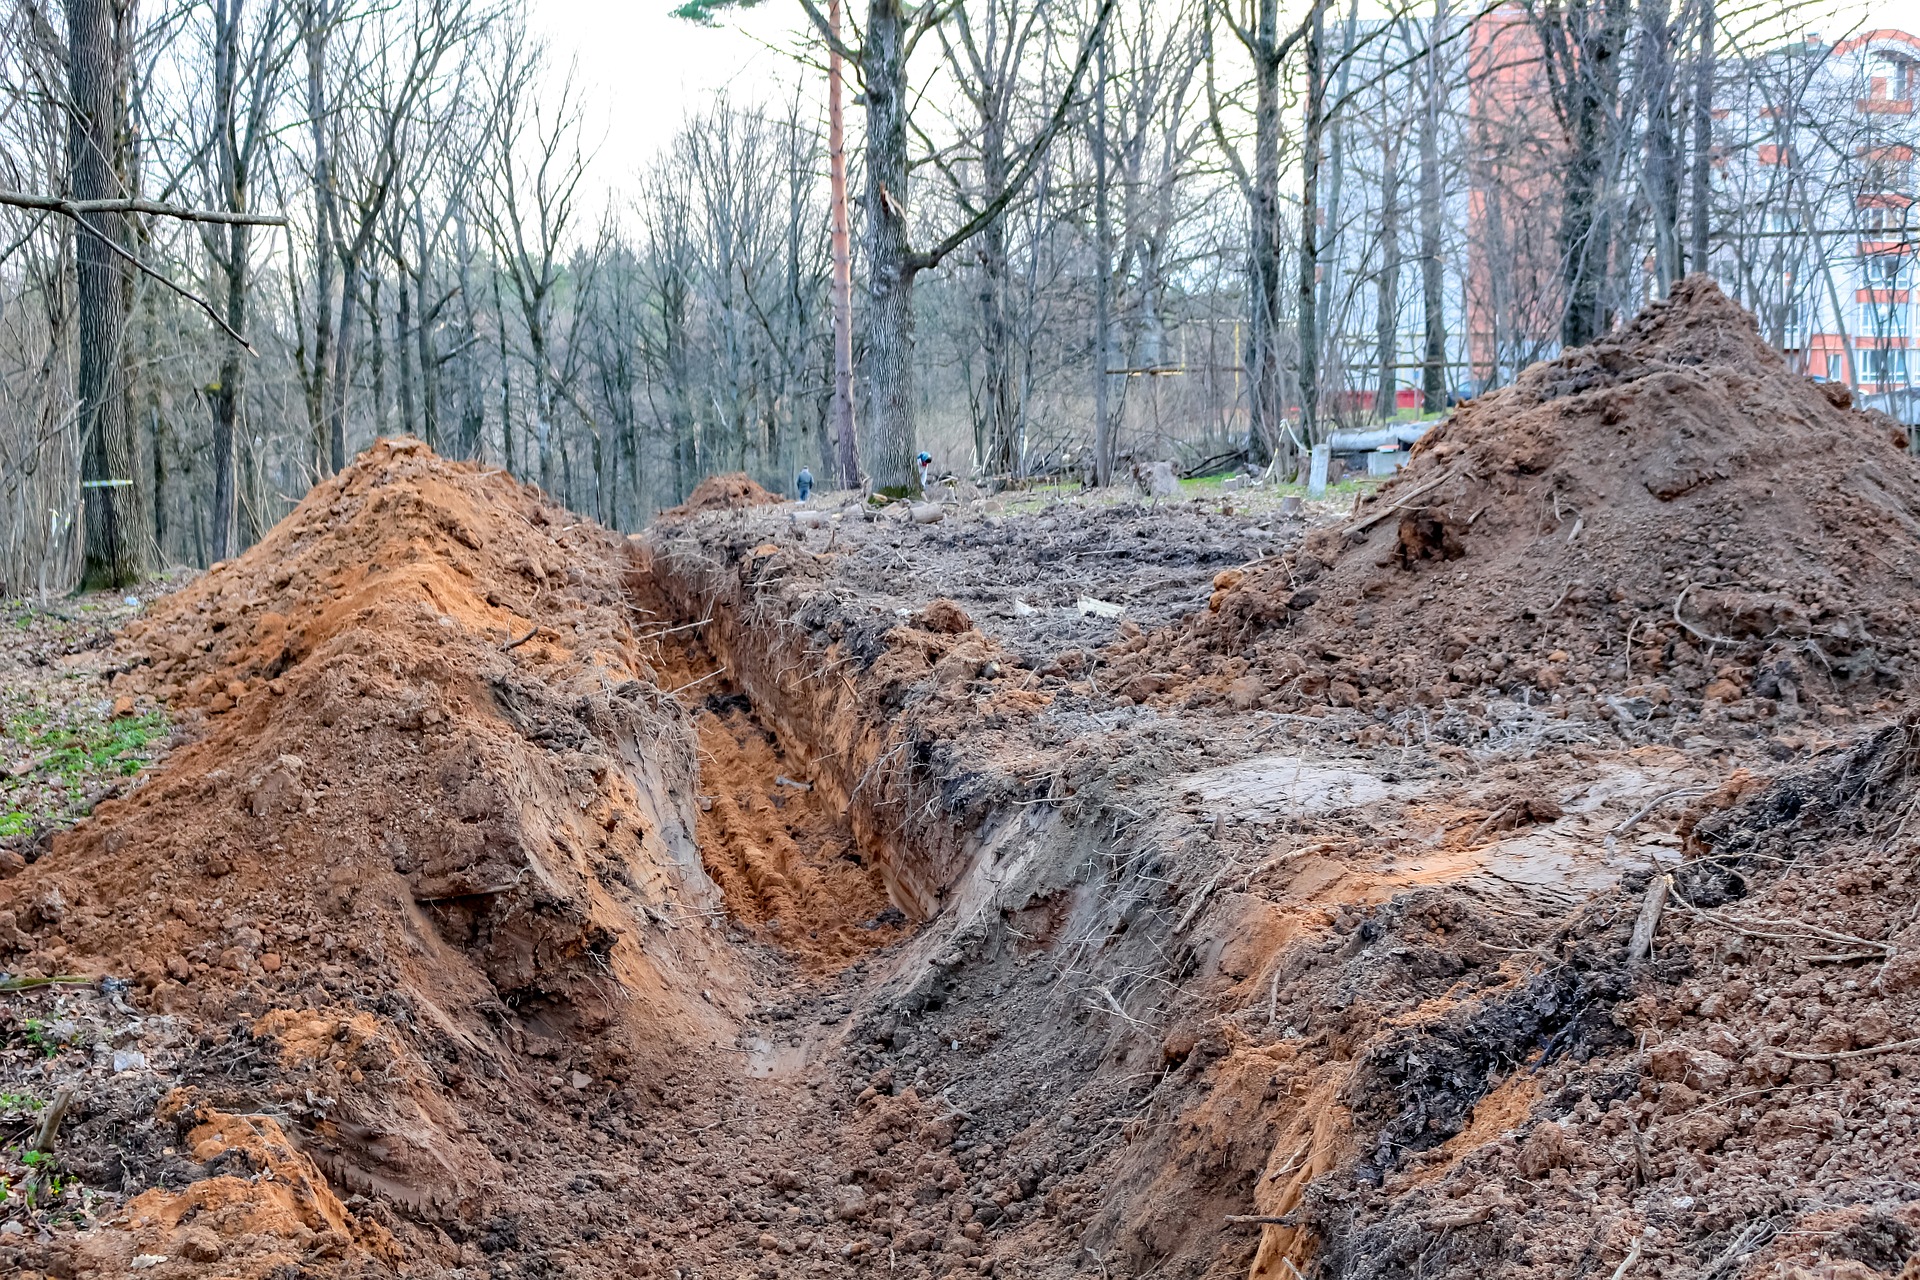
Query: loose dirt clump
point(730, 492)
point(1666, 522)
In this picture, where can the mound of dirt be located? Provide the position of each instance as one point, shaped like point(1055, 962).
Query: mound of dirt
point(1665, 521)
point(428, 866)
point(729, 492)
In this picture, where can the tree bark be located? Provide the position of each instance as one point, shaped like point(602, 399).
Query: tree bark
point(94, 139)
point(1703, 75)
point(1663, 168)
point(847, 450)
point(1268, 406)
point(319, 20)
point(229, 388)
point(1387, 286)
point(1433, 360)
point(891, 269)
point(1103, 280)
point(1308, 340)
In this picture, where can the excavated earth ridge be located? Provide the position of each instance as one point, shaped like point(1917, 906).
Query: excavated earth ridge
point(758, 899)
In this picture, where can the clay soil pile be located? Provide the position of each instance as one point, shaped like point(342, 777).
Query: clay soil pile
point(420, 872)
point(1666, 521)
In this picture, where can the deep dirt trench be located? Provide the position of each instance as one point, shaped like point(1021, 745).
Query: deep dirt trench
point(749, 899)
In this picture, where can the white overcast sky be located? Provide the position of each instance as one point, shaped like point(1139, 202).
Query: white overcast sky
point(643, 69)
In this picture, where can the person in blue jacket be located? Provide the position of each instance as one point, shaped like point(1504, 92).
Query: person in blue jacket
point(925, 464)
point(804, 482)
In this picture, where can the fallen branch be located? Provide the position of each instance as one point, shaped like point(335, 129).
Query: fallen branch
point(1696, 632)
point(1633, 1256)
point(75, 208)
point(702, 680)
point(1639, 815)
point(49, 1130)
point(1464, 1218)
point(1641, 946)
point(76, 211)
point(1795, 931)
point(1401, 505)
point(1895, 1046)
point(1263, 1219)
point(511, 645)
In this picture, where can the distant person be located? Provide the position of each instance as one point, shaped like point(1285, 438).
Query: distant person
point(925, 463)
point(804, 482)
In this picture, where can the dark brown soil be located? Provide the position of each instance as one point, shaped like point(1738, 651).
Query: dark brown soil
point(1667, 522)
point(730, 492)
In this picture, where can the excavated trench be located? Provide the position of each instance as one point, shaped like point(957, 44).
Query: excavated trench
point(531, 901)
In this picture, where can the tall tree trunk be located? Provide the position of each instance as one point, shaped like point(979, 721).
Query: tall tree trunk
point(1703, 75)
point(377, 352)
point(341, 381)
point(1309, 327)
point(94, 139)
point(403, 345)
point(229, 388)
point(543, 399)
point(847, 452)
point(427, 360)
point(1663, 166)
point(1387, 286)
point(891, 269)
point(1268, 406)
point(1433, 360)
point(319, 20)
point(1591, 75)
point(1102, 279)
point(506, 384)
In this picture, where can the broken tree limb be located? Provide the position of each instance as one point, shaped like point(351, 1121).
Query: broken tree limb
point(1263, 1219)
point(1895, 1046)
point(1697, 633)
point(1464, 1218)
point(75, 208)
point(48, 1133)
point(1401, 505)
point(1633, 1256)
point(1646, 810)
point(1643, 928)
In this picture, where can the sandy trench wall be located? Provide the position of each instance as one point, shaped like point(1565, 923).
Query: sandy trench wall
point(851, 693)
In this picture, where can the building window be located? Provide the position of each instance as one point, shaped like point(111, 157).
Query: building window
point(1884, 221)
point(1883, 270)
point(1883, 366)
point(1883, 319)
point(1836, 368)
point(1892, 77)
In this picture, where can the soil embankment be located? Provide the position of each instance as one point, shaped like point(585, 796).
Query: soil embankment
point(756, 898)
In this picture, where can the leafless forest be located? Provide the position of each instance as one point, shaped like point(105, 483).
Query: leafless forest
point(242, 238)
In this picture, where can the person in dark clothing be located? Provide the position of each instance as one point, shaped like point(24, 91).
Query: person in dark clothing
point(804, 482)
